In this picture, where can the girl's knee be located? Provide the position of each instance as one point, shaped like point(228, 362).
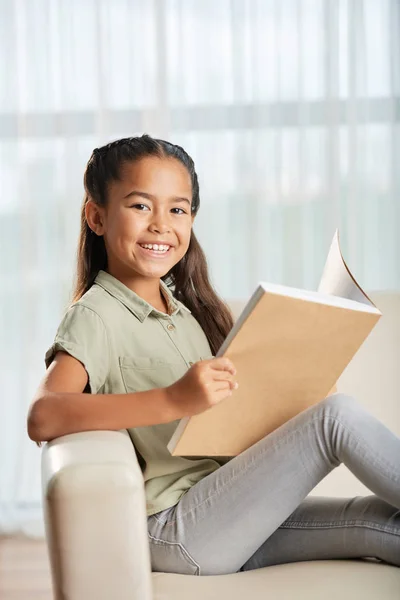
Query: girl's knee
point(339, 402)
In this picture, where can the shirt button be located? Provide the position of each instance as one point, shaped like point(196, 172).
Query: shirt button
point(170, 327)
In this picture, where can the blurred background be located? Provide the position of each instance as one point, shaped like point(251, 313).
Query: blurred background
point(289, 108)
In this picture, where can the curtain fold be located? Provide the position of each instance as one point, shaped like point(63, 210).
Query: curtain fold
point(290, 109)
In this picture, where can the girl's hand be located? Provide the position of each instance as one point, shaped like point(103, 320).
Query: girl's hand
point(206, 383)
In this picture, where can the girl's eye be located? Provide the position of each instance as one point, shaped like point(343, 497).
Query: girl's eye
point(140, 206)
point(183, 212)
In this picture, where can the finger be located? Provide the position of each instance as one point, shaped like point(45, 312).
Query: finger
point(230, 382)
point(226, 385)
point(223, 364)
point(221, 385)
point(221, 375)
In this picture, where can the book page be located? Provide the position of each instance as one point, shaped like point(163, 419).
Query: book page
point(318, 297)
point(337, 279)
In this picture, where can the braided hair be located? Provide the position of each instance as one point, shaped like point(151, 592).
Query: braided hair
point(189, 278)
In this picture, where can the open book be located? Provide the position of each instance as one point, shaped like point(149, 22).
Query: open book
point(289, 347)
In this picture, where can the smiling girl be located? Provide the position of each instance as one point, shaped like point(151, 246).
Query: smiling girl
point(135, 351)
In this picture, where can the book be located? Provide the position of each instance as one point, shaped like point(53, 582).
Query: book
point(289, 347)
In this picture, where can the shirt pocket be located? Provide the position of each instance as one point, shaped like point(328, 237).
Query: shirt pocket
point(141, 373)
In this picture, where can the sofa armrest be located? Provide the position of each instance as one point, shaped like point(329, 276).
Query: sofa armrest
point(95, 517)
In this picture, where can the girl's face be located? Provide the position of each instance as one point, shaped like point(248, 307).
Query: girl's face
point(151, 204)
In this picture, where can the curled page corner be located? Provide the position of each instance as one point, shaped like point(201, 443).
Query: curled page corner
point(337, 278)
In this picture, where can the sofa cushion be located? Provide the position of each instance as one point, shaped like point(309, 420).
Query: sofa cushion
point(356, 579)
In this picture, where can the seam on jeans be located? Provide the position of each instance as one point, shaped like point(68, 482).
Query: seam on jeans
point(186, 554)
point(157, 519)
point(337, 525)
point(247, 468)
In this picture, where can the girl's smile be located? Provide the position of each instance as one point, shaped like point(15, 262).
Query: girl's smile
point(157, 251)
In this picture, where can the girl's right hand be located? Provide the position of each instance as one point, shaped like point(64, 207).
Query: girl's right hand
point(205, 384)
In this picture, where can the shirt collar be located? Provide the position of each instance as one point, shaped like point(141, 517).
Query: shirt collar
point(137, 305)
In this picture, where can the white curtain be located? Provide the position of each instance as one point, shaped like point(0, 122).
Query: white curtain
point(290, 109)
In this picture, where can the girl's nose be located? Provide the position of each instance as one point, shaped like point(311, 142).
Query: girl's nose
point(159, 226)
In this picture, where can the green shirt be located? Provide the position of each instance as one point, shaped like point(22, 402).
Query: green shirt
point(126, 345)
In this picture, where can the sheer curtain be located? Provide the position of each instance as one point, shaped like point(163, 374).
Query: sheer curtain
point(290, 109)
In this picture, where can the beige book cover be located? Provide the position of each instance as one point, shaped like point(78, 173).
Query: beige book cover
point(289, 347)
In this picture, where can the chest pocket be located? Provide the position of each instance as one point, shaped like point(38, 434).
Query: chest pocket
point(141, 373)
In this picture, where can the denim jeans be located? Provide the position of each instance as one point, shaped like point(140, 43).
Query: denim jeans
point(254, 511)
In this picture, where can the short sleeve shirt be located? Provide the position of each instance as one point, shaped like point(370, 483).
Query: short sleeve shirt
point(126, 345)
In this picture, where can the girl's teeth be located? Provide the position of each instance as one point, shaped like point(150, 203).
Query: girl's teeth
point(156, 247)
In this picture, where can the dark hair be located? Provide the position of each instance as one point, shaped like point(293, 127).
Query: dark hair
point(189, 277)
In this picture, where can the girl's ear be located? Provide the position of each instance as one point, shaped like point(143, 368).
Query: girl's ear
point(94, 217)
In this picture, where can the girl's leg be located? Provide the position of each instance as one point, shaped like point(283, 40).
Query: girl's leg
point(224, 518)
point(327, 528)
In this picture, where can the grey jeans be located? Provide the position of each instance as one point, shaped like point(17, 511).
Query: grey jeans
point(254, 511)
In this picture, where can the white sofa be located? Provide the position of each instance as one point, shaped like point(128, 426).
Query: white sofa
point(94, 509)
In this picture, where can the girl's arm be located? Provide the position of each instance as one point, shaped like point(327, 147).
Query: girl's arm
point(60, 406)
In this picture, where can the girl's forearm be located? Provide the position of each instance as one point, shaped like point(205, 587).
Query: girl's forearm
point(55, 414)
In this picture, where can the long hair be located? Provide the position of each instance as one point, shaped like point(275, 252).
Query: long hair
point(189, 278)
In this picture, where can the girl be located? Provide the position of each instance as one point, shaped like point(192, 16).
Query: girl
point(136, 351)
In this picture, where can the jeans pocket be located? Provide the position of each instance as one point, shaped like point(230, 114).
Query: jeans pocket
point(171, 557)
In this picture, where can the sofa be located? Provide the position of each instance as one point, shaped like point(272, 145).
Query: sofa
point(95, 513)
